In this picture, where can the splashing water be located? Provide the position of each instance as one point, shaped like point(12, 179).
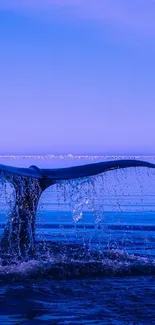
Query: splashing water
point(97, 242)
point(78, 227)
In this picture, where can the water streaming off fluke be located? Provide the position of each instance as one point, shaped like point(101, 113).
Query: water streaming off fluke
point(91, 204)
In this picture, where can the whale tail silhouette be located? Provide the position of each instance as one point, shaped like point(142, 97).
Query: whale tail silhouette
point(29, 183)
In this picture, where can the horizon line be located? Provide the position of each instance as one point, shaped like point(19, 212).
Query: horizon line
point(75, 155)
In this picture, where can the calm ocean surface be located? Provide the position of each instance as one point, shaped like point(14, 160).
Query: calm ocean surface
point(95, 259)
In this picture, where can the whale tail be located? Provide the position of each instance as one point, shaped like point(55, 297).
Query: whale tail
point(29, 183)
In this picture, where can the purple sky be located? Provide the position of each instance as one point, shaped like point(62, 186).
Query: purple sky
point(77, 76)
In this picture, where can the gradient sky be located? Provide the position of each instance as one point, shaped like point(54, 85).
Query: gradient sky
point(77, 76)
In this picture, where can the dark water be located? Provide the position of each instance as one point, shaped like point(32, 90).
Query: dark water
point(97, 300)
point(83, 275)
point(93, 264)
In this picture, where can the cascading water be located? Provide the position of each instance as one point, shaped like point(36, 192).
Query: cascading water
point(92, 239)
point(87, 216)
point(18, 238)
point(81, 221)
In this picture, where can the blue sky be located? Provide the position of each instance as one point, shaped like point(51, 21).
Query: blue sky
point(77, 76)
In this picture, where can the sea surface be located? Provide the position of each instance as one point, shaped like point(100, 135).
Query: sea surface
point(95, 249)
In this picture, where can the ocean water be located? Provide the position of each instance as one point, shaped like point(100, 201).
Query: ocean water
point(95, 249)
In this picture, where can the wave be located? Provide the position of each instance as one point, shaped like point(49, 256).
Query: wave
point(113, 263)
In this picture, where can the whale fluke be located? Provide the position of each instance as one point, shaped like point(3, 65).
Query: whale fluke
point(48, 177)
point(29, 183)
point(91, 169)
